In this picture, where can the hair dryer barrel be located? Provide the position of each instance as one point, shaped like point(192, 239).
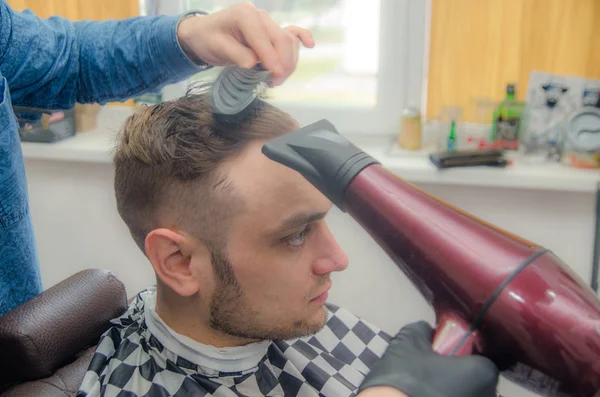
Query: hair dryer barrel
point(439, 247)
point(527, 308)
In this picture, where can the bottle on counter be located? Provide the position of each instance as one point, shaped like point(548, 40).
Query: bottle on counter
point(452, 119)
point(451, 143)
point(409, 136)
point(507, 120)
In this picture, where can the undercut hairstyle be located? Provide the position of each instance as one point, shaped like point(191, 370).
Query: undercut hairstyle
point(167, 165)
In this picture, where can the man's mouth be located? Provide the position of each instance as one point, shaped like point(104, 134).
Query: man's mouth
point(322, 298)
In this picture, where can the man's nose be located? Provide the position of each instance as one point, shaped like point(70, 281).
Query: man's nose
point(332, 257)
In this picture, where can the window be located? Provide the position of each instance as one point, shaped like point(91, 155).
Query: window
point(366, 66)
point(342, 68)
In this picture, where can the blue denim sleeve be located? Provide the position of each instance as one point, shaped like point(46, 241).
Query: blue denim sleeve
point(53, 63)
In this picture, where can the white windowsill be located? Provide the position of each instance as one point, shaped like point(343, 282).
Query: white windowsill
point(96, 147)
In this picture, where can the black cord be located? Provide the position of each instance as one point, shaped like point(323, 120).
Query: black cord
point(596, 254)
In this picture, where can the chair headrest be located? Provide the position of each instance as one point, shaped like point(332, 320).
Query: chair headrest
point(46, 332)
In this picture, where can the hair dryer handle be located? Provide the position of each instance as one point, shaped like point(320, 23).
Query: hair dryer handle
point(454, 336)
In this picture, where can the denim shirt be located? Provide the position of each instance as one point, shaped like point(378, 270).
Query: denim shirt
point(52, 64)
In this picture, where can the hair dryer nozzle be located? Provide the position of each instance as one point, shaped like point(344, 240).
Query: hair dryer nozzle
point(324, 157)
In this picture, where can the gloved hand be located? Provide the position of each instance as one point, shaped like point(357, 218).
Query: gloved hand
point(412, 366)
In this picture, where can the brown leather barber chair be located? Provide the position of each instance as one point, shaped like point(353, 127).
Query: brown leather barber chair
point(46, 344)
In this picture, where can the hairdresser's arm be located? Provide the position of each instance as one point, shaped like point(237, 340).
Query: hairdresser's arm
point(412, 368)
point(53, 63)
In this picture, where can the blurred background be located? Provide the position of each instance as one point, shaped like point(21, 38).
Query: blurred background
point(463, 62)
point(490, 105)
point(342, 69)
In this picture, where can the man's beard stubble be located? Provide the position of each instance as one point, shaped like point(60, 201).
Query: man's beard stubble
point(231, 314)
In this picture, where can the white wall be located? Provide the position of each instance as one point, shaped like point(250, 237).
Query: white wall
point(77, 227)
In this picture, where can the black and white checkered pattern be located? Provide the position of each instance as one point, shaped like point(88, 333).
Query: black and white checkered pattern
point(130, 361)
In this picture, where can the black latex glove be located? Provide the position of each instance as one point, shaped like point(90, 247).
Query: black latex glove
point(412, 366)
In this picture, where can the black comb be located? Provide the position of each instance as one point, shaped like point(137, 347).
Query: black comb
point(234, 93)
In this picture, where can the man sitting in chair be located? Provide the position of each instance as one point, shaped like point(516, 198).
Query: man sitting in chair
point(243, 259)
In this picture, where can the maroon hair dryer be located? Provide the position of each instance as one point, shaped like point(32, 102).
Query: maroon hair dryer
point(493, 293)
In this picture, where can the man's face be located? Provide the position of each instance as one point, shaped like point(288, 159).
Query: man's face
point(279, 254)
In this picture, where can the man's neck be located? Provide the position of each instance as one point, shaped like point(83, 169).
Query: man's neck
point(186, 319)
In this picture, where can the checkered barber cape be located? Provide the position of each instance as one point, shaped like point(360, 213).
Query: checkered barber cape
point(129, 361)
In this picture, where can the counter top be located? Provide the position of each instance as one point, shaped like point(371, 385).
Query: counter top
point(549, 176)
point(96, 147)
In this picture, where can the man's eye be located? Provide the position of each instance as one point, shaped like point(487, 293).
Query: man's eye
point(298, 239)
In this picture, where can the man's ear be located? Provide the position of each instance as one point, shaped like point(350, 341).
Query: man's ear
point(171, 255)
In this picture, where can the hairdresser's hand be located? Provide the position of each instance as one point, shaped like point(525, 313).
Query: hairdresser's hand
point(244, 35)
point(411, 366)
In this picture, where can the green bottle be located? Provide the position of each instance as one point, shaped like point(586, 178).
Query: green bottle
point(507, 120)
point(451, 144)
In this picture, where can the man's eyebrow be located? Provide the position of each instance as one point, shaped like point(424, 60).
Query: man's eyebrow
point(297, 220)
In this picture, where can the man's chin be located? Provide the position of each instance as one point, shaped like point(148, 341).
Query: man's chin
point(307, 326)
point(314, 324)
point(322, 317)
